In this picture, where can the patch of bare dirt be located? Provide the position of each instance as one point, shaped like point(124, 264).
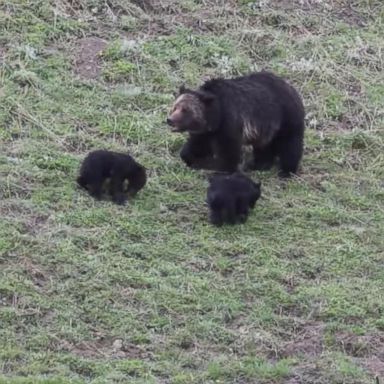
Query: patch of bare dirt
point(363, 345)
point(147, 5)
point(11, 209)
point(290, 282)
point(342, 10)
point(2, 54)
point(87, 62)
point(37, 273)
point(174, 6)
point(16, 189)
point(356, 117)
point(30, 222)
point(34, 224)
point(316, 178)
point(296, 310)
point(374, 365)
point(103, 348)
point(292, 253)
point(6, 298)
point(368, 350)
point(165, 17)
point(79, 143)
point(319, 373)
point(294, 5)
point(308, 341)
point(351, 16)
point(308, 373)
point(248, 338)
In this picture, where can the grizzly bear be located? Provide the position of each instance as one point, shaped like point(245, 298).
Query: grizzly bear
point(260, 109)
point(230, 197)
point(101, 165)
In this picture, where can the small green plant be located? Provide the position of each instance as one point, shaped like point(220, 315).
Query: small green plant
point(119, 71)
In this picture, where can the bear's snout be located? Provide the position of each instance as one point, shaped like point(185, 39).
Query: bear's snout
point(170, 122)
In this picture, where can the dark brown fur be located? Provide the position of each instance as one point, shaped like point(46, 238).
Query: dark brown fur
point(261, 110)
point(101, 165)
point(230, 198)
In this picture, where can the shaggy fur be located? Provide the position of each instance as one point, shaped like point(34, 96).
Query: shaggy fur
point(261, 110)
point(230, 197)
point(101, 165)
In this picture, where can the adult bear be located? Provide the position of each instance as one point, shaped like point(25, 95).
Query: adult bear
point(260, 109)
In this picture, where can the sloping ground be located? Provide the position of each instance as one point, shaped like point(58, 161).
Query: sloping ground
point(151, 293)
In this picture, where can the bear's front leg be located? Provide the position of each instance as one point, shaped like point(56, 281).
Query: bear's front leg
point(228, 154)
point(197, 152)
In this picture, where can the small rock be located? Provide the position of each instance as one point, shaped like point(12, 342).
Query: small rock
point(117, 344)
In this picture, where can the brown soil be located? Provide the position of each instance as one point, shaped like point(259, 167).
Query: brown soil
point(308, 342)
point(87, 62)
point(36, 273)
point(341, 10)
point(368, 350)
point(374, 365)
point(2, 54)
point(106, 348)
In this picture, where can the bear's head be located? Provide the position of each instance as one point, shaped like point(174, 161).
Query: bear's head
point(190, 111)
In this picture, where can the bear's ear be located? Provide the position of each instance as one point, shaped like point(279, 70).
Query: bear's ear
point(206, 97)
point(182, 89)
point(211, 177)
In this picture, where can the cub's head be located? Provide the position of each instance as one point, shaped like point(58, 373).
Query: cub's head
point(189, 111)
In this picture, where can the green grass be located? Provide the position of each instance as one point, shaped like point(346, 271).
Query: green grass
point(152, 293)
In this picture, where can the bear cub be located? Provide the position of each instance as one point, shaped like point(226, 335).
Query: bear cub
point(230, 198)
point(260, 109)
point(101, 165)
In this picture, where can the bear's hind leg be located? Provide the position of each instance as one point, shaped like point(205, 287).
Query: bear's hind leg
point(230, 213)
point(117, 189)
point(228, 151)
point(263, 159)
point(242, 209)
point(216, 217)
point(290, 151)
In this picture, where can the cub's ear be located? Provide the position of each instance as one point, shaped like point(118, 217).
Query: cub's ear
point(212, 176)
point(182, 89)
point(206, 97)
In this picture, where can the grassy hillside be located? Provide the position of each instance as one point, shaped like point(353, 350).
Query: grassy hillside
point(151, 293)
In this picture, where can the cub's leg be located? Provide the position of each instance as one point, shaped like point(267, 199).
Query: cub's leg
point(136, 181)
point(231, 215)
point(95, 186)
point(117, 189)
point(242, 209)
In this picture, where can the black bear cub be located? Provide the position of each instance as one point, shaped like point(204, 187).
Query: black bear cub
point(230, 198)
point(261, 110)
point(101, 165)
